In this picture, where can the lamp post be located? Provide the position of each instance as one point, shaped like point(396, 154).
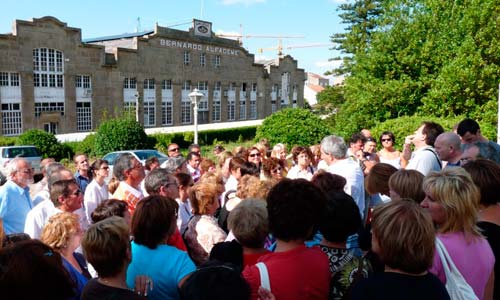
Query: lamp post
point(195, 96)
point(137, 106)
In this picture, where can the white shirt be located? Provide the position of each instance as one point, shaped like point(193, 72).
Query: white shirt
point(424, 160)
point(38, 217)
point(94, 195)
point(355, 180)
point(295, 172)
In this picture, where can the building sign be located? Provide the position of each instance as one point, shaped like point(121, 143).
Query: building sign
point(202, 28)
point(199, 47)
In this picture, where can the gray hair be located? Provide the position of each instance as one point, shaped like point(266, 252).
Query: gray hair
point(122, 163)
point(57, 172)
point(156, 179)
point(12, 166)
point(335, 146)
point(174, 163)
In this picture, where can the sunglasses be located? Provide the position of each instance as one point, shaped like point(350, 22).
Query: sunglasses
point(105, 168)
point(254, 155)
point(173, 150)
point(386, 140)
point(276, 170)
point(77, 193)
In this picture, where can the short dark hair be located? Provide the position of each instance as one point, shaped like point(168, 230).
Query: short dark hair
point(109, 208)
point(32, 270)
point(467, 125)
point(389, 133)
point(150, 161)
point(191, 155)
point(183, 179)
point(340, 218)
point(296, 151)
point(153, 220)
point(236, 163)
point(294, 208)
point(105, 246)
point(357, 137)
point(61, 188)
point(486, 175)
point(190, 148)
point(96, 165)
point(327, 181)
point(431, 130)
point(215, 281)
point(249, 168)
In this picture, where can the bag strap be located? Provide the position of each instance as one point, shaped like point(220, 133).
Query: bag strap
point(436, 156)
point(264, 276)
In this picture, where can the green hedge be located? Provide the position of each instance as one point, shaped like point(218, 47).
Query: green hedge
point(206, 137)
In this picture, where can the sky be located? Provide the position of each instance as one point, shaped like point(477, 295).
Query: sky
point(310, 23)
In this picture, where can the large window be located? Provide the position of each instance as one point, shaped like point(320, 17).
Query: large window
point(231, 109)
point(202, 59)
point(12, 119)
point(9, 79)
point(48, 107)
point(82, 81)
point(185, 111)
point(48, 68)
point(149, 113)
point(166, 113)
point(129, 83)
point(217, 61)
point(83, 116)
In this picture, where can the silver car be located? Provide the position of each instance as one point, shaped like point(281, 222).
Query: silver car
point(141, 155)
point(30, 153)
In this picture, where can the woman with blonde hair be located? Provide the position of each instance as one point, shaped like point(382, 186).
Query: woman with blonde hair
point(63, 233)
point(452, 200)
point(203, 231)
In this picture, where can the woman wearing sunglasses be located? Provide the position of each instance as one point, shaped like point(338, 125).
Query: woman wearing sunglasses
point(388, 154)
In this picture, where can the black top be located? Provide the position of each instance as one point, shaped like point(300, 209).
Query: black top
point(389, 285)
point(94, 290)
point(492, 233)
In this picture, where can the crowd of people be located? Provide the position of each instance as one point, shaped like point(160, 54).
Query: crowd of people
point(337, 220)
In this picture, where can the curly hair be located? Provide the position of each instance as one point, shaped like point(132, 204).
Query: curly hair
point(60, 228)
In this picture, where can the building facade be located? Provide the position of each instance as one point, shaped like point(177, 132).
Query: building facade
point(52, 80)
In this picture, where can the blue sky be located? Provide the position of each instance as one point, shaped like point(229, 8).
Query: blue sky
point(315, 20)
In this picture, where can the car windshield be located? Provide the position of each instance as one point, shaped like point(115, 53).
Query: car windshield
point(22, 152)
point(110, 158)
point(143, 155)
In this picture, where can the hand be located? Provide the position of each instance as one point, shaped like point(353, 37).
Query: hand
point(143, 284)
point(265, 294)
point(409, 139)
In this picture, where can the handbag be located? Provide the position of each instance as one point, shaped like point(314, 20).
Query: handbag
point(264, 276)
point(457, 287)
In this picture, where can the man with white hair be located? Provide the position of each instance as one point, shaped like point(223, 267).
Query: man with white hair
point(333, 152)
point(15, 200)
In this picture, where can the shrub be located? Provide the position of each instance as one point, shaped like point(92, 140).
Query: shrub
point(121, 134)
point(87, 146)
point(7, 141)
point(46, 142)
point(293, 126)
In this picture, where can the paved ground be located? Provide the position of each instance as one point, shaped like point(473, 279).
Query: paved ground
point(76, 137)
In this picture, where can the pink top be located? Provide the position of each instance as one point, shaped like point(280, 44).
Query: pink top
point(474, 260)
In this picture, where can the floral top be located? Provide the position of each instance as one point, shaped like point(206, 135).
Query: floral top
point(201, 235)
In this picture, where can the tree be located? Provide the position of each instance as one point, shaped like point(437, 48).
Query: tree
point(430, 58)
point(361, 18)
point(45, 141)
point(293, 126)
point(121, 134)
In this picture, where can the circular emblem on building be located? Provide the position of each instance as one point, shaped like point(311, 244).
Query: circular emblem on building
point(202, 29)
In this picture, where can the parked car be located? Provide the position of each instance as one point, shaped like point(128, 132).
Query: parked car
point(141, 155)
point(30, 153)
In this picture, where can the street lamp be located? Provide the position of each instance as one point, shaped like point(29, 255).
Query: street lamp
point(195, 96)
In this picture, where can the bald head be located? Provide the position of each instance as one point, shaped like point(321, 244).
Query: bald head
point(447, 146)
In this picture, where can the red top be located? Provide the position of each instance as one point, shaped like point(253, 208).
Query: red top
point(250, 259)
point(300, 273)
point(176, 241)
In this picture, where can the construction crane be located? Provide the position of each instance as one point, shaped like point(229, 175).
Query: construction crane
point(239, 37)
point(280, 47)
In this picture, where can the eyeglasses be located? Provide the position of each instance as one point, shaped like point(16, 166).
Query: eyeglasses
point(171, 183)
point(77, 193)
point(138, 166)
point(27, 171)
point(173, 150)
point(254, 155)
point(105, 168)
point(386, 140)
point(276, 170)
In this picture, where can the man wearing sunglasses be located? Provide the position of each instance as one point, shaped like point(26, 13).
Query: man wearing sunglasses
point(173, 150)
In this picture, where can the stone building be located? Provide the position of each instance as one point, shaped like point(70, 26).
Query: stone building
point(50, 79)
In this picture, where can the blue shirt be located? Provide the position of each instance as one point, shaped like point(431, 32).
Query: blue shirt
point(165, 265)
point(82, 181)
point(15, 203)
